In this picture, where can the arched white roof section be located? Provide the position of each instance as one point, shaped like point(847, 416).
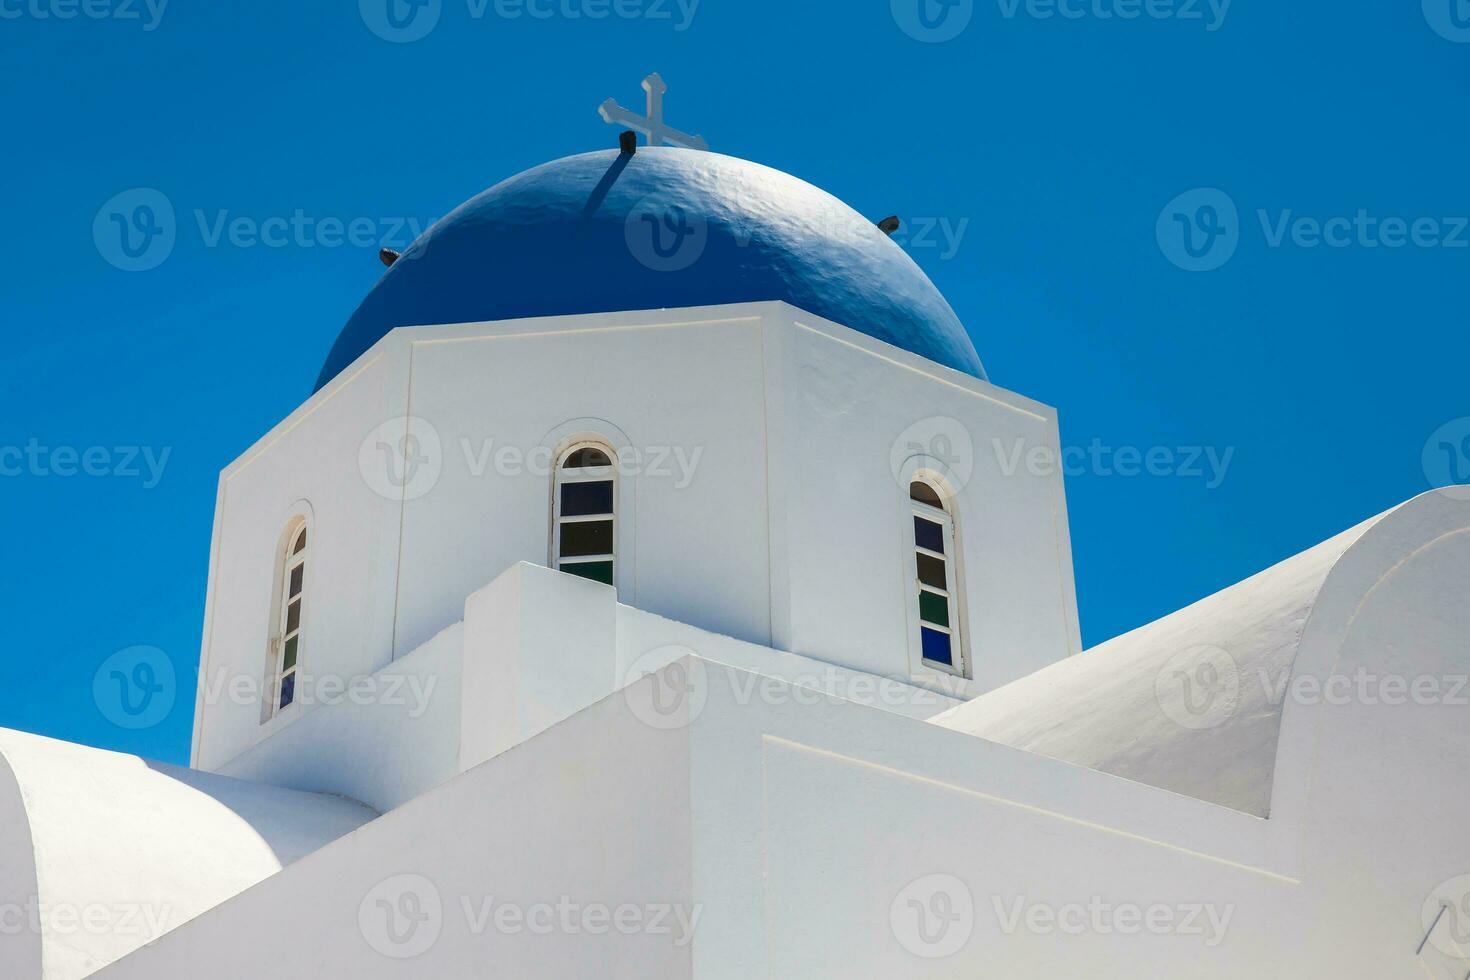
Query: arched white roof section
point(102, 852)
point(1189, 703)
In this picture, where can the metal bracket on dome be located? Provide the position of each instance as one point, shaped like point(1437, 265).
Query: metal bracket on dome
point(628, 142)
point(388, 256)
point(889, 224)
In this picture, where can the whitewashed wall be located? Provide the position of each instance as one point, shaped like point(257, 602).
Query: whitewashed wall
point(306, 465)
point(768, 501)
point(854, 420)
point(416, 892)
point(534, 648)
point(810, 834)
point(394, 736)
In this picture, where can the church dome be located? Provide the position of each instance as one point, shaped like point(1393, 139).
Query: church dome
point(663, 228)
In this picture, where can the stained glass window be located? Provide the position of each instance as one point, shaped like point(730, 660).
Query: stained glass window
point(933, 579)
point(584, 538)
point(287, 646)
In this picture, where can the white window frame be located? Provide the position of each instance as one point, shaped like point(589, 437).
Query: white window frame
point(584, 474)
point(944, 517)
point(287, 564)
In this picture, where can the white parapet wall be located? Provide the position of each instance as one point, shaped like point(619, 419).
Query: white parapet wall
point(777, 818)
point(541, 645)
point(382, 738)
point(535, 647)
point(739, 833)
point(424, 891)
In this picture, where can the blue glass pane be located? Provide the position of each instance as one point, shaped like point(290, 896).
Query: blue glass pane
point(581, 499)
point(288, 690)
point(936, 646)
point(928, 535)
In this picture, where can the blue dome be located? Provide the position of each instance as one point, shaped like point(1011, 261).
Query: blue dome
point(663, 228)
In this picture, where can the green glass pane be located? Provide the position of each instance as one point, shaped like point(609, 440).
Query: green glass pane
point(934, 609)
point(931, 572)
point(290, 657)
point(597, 571)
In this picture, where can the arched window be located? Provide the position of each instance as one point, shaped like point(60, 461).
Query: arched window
point(584, 505)
point(935, 580)
point(286, 643)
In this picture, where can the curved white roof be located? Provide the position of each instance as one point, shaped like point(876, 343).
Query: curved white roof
point(1138, 706)
point(102, 852)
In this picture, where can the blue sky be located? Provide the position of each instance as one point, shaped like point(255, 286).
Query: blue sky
point(1059, 150)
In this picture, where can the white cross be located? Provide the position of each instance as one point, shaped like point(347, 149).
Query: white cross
point(651, 125)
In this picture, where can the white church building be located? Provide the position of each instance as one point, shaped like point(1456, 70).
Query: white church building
point(641, 594)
